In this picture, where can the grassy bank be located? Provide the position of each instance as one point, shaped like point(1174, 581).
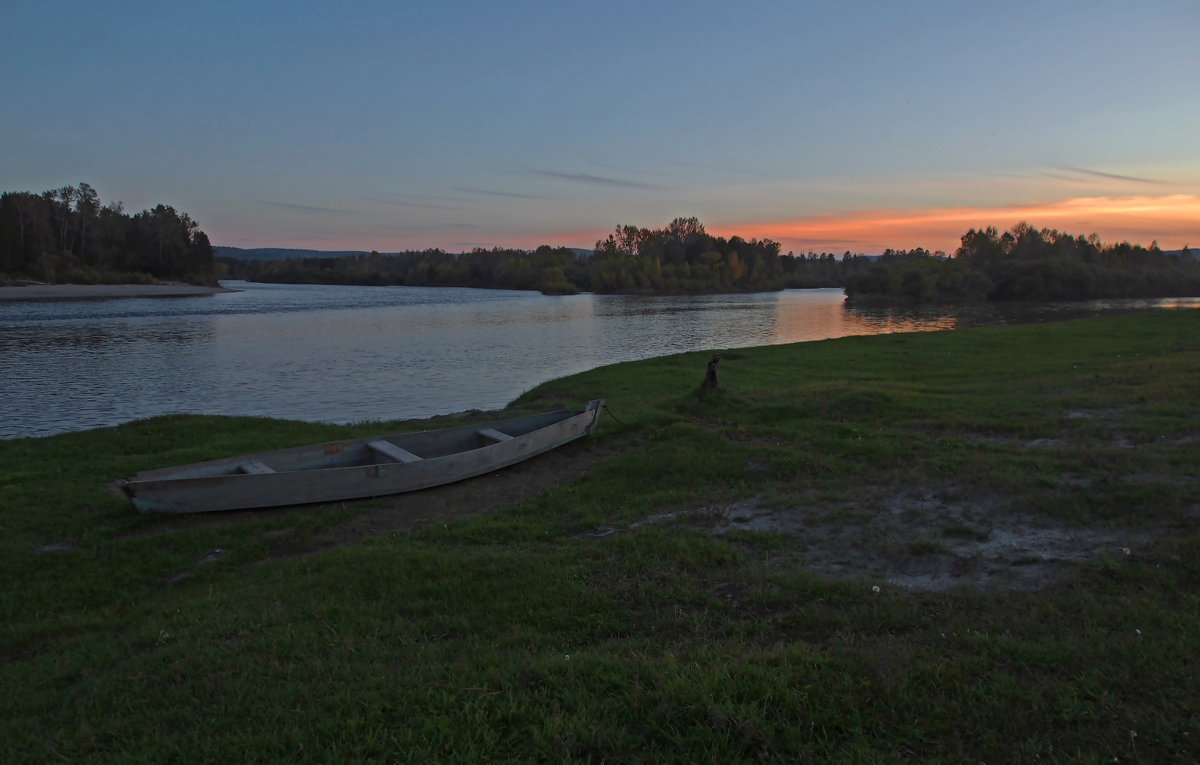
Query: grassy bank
point(965, 546)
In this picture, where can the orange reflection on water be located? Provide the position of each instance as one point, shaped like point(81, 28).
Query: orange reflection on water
point(1180, 303)
point(806, 315)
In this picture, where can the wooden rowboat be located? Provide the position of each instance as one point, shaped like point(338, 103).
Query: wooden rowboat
point(358, 468)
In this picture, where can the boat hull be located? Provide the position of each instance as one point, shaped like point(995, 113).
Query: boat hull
point(358, 468)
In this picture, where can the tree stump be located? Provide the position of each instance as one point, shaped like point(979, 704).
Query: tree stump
point(710, 377)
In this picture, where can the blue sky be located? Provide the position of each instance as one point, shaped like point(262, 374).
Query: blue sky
point(825, 125)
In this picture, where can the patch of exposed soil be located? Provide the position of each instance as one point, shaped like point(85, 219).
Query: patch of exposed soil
point(915, 539)
point(64, 546)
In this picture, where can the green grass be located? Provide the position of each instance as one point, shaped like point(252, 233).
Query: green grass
point(523, 635)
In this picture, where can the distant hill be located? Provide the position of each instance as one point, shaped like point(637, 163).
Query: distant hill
point(283, 253)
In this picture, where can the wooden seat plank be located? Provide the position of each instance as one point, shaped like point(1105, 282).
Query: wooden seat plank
point(254, 467)
point(494, 435)
point(393, 452)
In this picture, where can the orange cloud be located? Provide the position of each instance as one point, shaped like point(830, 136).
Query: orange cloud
point(1172, 220)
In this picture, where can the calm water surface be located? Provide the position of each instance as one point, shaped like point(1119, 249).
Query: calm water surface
point(346, 354)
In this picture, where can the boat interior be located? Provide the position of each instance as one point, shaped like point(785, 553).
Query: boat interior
point(404, 448)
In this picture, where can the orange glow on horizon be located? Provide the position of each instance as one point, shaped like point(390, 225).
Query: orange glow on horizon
point(1174, 221)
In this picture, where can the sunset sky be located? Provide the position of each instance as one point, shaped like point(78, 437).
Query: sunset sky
point(828, 125)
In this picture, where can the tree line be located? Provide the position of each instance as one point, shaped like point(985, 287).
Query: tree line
point(1025, 263)
point(679, 258)
point(68, 235)
point(542, 269)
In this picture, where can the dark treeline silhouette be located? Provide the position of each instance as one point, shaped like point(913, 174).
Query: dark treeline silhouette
point(542, 269)
point(1025, 263)
point(67, 235)
point(680, 258)
point(684, 258)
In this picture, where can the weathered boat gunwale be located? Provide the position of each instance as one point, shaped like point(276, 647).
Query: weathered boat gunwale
point(354, 469)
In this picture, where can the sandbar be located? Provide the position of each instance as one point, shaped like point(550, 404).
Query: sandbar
point(100, 291)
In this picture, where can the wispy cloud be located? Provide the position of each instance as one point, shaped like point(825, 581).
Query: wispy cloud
point(596, 180)
point(301, 208)
point(491, 193)
point(737, 171)
point(1008, 174)
point(421, 201)
point(1098, 174)
point(1068, 178)
point(427, 228)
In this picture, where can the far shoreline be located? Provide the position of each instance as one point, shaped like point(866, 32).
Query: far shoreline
point(103, 291)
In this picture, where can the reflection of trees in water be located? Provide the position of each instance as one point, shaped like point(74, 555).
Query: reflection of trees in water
point(823, 314)
point(879, 321)
point(918, 318)
point(646, 326)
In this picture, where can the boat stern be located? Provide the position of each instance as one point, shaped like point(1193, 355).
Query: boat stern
point(595, 406)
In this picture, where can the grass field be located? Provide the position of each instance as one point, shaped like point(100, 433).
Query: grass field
point(978, 545)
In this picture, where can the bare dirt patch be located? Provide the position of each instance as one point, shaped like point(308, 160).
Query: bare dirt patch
point(915, 539)
point(63, 546)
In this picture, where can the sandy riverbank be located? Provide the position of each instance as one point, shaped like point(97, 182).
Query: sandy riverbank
point(96, 291)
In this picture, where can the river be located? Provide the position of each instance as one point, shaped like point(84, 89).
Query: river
point(347, 354)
